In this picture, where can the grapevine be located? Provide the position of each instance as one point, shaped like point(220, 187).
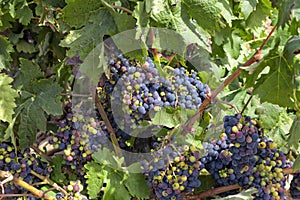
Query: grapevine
point(170, 100)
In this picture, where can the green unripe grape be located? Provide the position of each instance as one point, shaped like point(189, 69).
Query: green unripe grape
point(137, 74)
point(70, 188)
point(7, 160)
point(181, 188)
point(273, 163)
point(192, 159)
point(175, 186)
point(184, 178)
point(234, 129)
point(164, 193)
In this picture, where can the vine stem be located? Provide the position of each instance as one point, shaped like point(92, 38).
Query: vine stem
point(38, 193)
point(48, 181)
point(109, 127)
point(219, 190)
point(122, 8)
point(214, 191)
point(257, 56)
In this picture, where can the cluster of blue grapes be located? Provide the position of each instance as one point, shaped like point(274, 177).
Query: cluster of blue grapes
point(173, 170)
point(244, 156)
point(136, 89)
point(20, 164)
point(78, 136)
point(295, 186)
point(74, 190)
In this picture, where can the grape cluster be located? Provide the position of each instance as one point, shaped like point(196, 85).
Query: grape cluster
point(21, 164)
point(74, 190)
point(135, 89)
point(295, 186)
point(79, 136)
point(244, 156)
point(173, 170)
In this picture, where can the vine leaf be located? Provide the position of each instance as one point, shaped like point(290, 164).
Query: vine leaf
point(57, 175)
point(142, 17)
point(38, 97)
point(261, 11)
point(107, 157)
point(77, 13)
point(95, 176)
point(19, 9)
point(115, 188)
point(5, 50)
point(137, 185)
point(82, 41)
point(275, 84)
point(294, 137)
point(32, 119)
point(7, 98)
point(165, 118)
point(296, 165)
point(285, 8)
point(269, 118)
point(247, 7)
point(206, 13)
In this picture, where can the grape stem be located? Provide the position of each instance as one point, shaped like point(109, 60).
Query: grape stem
point(214, 191)
point(122, 8)
point(38, 193)
point(109, 128)
point(229, 104)
point(257, 56)
point(49, 182)
point(247, 103)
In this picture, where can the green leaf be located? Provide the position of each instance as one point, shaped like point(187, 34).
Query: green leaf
point(284, 15)
point(7, 98)
point(108, 158)
point(19, 9)
point(57, 175)
point(270, 116)
point(77, 13)
point(29, 72)
point(247, 7)
point(276, 84)
point(165, 118)
point(137, 185)
point(296, 165)
point(93, 66)
point(226, 11)
point(291, 47)
point(32, 119)
point(294, 137)
point(262, 10)
point(48, 96)
point(123, 21)
point(115, 188)
point(206, 13)
point(25, 47)
point(142, 17)
point(95, 176)
point(84, 40)
point(5, 49)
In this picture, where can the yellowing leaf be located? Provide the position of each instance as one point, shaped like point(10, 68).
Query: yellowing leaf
point(7, 98)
